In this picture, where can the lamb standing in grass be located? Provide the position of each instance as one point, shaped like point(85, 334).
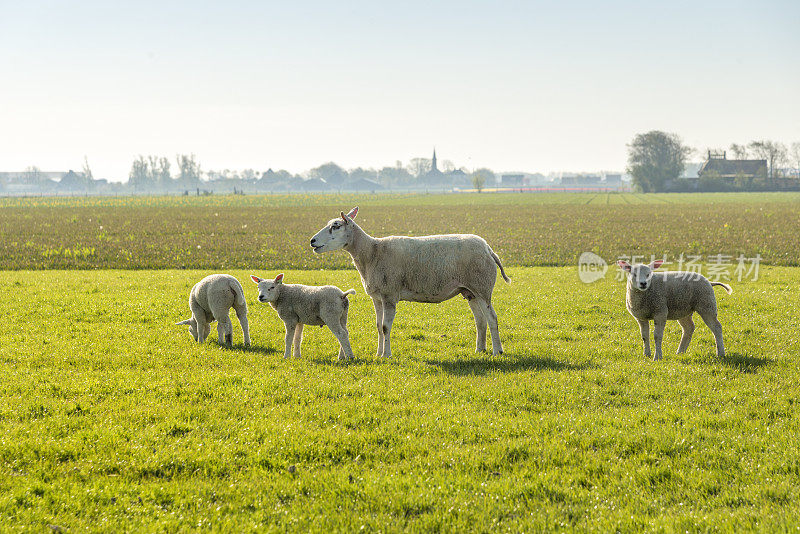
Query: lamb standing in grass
point(210, 300)
point(671, 295)
point(298, 305)
point(432, 268)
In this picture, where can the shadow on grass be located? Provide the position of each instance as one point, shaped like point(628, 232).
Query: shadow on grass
point(507, 364)
point(744, 362)
point(256, 348)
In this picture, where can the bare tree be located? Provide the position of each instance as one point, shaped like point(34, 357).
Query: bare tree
point(189, 170)
point(419, 166)
point(478, 180)
point(772, 151)
point(448, 166)
point(738, 151)
point(33, 175)
point(794, 156)
point(87, 171)
point(139, 177)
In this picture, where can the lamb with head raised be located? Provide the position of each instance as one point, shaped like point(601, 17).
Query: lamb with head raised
point(671, 295)
point(418, 269)
point(211, 300)
point(298, 305)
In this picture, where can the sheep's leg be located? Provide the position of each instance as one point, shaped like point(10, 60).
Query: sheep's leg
point(644, 330)
point(203, 331)
point(343, 336)
point(716, 328)
point(290, 329)
point(224, 330)
point(378, 303)
point(389, 310)
point(491, 317)
point(241, 313)
point(659, 323)
point(343, 322)
point(298, 339)
point(480, 325)
point(687, 326)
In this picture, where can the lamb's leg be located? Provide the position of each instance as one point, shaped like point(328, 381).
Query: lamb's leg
point(298, 339)
point(389, 310)
point(491, 318)
point(378, 303)
point(343, 336)
point(716, 328)
point(480, 324)
point(241, 313)
point(225, 330)
point(290, 329)
point(343, 322)
point(644, 330)
point(687, 326)
point(659, 323)
point(204, 332)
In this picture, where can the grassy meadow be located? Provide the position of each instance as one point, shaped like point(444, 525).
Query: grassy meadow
point(113, 419)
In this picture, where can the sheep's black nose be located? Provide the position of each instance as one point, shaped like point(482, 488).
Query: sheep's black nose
point(312, 242)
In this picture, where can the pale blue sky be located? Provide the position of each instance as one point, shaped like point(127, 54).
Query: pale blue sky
point(535, 86)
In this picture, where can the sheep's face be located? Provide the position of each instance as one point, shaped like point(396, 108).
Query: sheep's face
point(338, 233)
point(640, 275)
point(268, 290)
point(192, 324)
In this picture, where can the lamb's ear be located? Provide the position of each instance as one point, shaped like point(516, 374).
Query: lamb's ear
point(279, 279)
point(254, 278)
point(345, 219)
point(656, 264)
point(187, 321)
point(353, 213)
point(624, 265)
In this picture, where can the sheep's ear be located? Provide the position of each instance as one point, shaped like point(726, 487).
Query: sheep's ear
point(353, 213)
point(187, 322)
point(254, 278)
point(341, 214)
point(656, 264)
point(279, 278)
point(624, 265)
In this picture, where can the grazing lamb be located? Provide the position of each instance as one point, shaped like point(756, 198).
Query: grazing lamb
point(671, 295)
point(210, 300)
point(419, 269)
point(298, 305)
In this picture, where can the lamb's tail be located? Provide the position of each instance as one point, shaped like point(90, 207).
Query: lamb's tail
point(349, 292)
point(497, 261)
point(726, 287)
point(238, 295)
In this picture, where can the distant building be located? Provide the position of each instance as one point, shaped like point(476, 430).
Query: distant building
point(719, 165)
point(513, 180)
point(614, 180)
point(580, 180)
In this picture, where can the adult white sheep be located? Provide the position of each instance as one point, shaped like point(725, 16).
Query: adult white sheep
point(297, 305)
point(671, 295)
point(418, 269)
point(211, 300)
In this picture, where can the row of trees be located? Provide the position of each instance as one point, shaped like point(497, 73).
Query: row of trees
point(657, 158)
point(153, 172)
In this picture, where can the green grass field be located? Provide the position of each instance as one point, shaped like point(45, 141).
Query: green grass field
point(113, 419)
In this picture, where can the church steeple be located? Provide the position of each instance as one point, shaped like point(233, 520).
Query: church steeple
point(433, 161)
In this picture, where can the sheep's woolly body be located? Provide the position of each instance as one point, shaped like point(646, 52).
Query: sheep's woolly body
point(211, 300)
point(298, 305)
point(674, 295)
point(419, 269)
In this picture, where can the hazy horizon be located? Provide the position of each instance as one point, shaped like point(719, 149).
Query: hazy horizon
point(529, 87)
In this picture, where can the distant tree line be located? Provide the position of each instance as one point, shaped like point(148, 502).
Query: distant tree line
point(657, 160)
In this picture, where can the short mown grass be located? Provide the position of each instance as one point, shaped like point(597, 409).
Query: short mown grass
point(111, 418)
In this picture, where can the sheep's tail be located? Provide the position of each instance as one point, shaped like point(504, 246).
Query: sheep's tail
point(349, 292)
point(238, 295)
point(726, 287)
point(499, 264)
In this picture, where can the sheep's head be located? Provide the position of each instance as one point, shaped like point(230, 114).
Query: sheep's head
point(640, 275)
point(268, 289)
point(192, 324)
point(338, 233)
